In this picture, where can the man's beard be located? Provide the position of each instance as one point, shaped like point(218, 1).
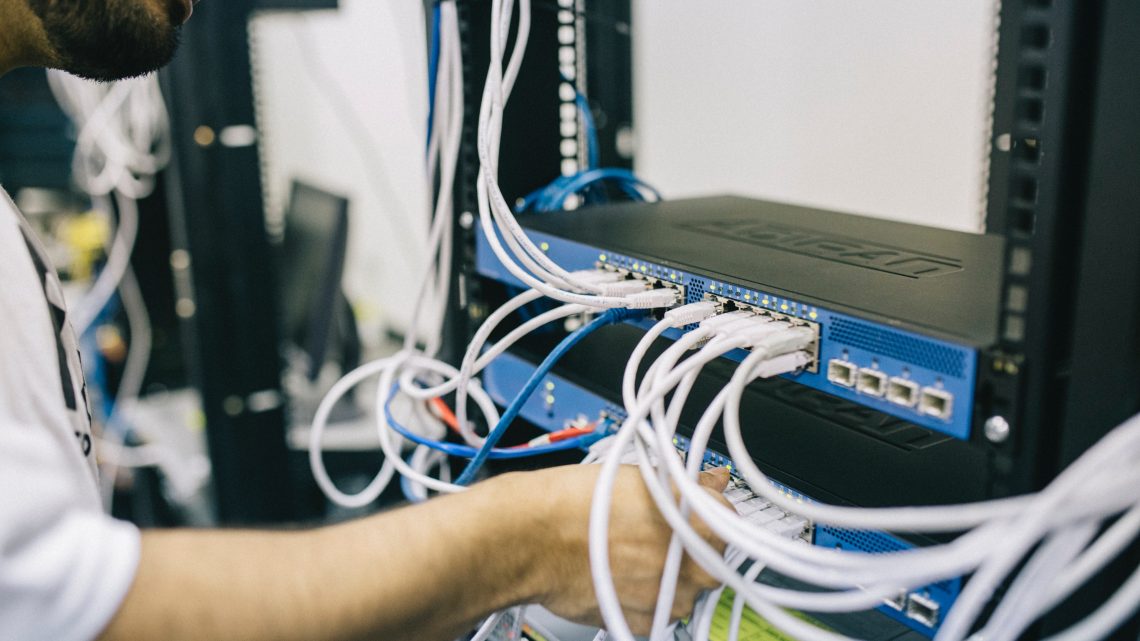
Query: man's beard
point(107, 40)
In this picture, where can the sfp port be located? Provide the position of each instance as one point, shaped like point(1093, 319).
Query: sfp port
point(923, 609)
point(936, 402)
point(842, 372)
point(872, 382)
point(902, 391)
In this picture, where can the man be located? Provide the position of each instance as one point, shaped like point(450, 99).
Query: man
point(69, 572)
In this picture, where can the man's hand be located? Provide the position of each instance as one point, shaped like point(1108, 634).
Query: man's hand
point(639, 538)
point(427, 572)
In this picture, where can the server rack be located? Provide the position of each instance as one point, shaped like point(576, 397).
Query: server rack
point(1066, 367)
point(223, 268)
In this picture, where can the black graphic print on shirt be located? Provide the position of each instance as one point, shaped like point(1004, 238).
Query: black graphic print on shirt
point(70, 364)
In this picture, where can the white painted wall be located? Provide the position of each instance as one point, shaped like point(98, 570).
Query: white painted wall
point(876, 106)
point(343, 104)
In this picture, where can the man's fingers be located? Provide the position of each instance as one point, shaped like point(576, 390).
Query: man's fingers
point(715, 479)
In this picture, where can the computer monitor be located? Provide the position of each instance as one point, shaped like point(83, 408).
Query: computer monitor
point(316, 314)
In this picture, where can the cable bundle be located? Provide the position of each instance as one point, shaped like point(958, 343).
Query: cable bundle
point(1057, 528)
point(415, 373)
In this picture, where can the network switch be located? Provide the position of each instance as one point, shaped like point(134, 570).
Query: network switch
point(567, 401)
point(899, 329)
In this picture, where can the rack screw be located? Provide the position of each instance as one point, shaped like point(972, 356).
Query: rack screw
point(997, 429)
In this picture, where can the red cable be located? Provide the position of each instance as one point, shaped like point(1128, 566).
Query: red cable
point(445, 414)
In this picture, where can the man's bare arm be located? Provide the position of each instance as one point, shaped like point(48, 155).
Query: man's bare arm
point(433, 569)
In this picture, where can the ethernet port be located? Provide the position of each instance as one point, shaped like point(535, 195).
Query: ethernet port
point(872, 382)
point(841, 372)
point(902, 392)
point(923, 609)
point(935, 402)
point(898, 602)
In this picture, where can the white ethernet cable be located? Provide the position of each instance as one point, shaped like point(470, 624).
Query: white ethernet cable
point(123, 140)
point(537, 271)
point(998, 554)
point(111, 450)
point(423, 460)
point(435, 278)
point(84, 312)
point(802, 547)
point(474, 361)
point(762, 328)
point(488, 626)
point(409, 364)
point(470, 360)
point(386, 369)
point(1101, 551)
point(599, 513)
point(446, 136)
point(123, 137)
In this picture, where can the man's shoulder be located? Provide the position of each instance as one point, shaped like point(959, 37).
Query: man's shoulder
point(41, 374)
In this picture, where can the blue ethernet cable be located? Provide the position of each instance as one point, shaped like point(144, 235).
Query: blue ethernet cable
point(454, 449)
point(466, 451)
point(553, 196)
point(592, 159)
point(556, 199)
point(588, 124)
point(433, 67)
point(609, 317)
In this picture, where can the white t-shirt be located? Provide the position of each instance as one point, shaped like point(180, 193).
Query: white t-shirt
point(65, 565)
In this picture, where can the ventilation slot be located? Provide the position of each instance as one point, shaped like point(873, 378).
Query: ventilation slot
point(875, 543)
point(921, 353)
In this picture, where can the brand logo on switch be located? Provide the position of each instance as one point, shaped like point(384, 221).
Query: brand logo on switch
point(851, 251)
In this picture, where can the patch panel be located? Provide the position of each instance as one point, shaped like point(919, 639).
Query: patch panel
point(747, 504)
point(920, 609)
